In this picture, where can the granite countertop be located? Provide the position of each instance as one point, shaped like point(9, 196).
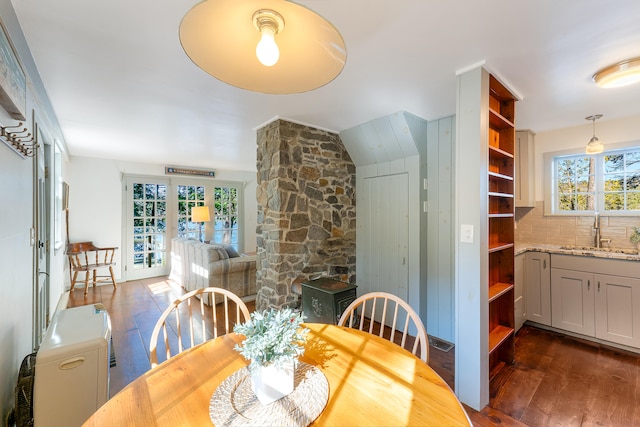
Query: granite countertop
point(610, 253)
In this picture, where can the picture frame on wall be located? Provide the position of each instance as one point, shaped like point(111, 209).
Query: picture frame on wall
point(13, 82)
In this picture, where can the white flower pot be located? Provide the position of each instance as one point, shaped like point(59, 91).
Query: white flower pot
point(270, 383)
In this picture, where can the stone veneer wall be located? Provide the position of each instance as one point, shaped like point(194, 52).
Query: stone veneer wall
point(306, 210)
point(534, 227)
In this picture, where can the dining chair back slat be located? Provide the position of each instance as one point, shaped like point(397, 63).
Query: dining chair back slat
point(364, 311)
point(185, 312)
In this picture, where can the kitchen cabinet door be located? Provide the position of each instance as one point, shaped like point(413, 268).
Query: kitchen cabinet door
point(519, 287)
point(537, 281)
point(617, 299)
point(572, 301)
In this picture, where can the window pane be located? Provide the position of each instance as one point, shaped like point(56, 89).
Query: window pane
point(614, 201)
point(633, 181)
point(614, 163)
point(633, 201)
point(584, 202)
point(614, 182)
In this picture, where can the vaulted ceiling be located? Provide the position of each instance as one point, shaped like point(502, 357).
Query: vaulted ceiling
point(123, 88)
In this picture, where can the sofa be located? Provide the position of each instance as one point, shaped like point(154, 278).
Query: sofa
point(197, 265)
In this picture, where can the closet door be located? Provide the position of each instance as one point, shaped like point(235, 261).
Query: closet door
point(385, 235)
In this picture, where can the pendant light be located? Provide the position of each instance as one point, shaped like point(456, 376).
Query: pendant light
point(594, 146)
point(267, 46)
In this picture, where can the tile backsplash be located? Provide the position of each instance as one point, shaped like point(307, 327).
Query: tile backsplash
point(533, 227)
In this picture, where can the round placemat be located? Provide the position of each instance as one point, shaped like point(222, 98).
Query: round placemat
point(234, 403)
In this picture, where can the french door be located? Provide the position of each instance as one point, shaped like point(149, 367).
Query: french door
point(159, 209)
point(147, 200)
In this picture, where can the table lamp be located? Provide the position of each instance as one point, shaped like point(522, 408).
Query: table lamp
point(200, 214)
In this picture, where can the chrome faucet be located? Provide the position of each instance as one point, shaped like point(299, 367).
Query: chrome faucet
point(596, 226)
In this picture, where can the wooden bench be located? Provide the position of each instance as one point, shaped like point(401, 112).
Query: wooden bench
point(86, 257)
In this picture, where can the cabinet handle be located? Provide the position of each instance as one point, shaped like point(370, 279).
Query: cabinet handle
point(544, 264)
point(588, 284)
point(598, 285)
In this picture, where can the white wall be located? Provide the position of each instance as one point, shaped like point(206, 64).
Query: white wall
point(608, 131)
point(96, 203)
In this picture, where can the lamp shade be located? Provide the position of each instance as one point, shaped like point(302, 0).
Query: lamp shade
point(200, 214)
point(220, 37)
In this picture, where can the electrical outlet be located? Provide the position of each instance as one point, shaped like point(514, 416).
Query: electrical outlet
point(466, 233)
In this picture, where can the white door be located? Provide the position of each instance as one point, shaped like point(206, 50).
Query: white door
point(618, 309)
point(572, 301)
point(41, 222)
point(147, 250)
point(538, 287)
point(385, 230)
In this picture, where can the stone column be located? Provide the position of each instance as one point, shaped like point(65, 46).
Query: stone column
point(306, 210)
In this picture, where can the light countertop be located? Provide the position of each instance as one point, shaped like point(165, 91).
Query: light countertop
point(611, 253)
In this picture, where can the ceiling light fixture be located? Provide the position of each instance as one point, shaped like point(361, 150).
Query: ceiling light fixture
point(594, 146)
point(621, 74)
point(220, 37)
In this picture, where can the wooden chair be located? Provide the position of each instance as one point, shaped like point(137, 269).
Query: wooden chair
point(87, 258)
point(375, 307)
point(197, 332)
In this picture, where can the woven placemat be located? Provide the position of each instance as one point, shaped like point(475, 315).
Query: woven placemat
point(234, 403)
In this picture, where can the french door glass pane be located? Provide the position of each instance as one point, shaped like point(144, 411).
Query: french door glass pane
point(189, 196)
point(149, 225)
point(226, 215)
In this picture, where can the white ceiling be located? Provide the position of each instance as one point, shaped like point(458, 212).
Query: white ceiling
point(123, 88)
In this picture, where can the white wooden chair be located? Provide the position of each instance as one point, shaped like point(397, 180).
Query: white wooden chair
point(379, 306)
point(202, 326)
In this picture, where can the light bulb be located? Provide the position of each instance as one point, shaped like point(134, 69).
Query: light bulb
point(267, 50)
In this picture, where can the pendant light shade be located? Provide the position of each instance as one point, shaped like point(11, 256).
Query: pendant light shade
point(267, 46)
point(594, 146)
point(621, 74)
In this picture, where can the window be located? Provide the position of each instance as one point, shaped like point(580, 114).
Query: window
point(607, 182)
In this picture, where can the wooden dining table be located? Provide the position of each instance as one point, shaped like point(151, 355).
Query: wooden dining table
point(371, 382)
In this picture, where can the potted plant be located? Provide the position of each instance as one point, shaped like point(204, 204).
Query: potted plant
point(635, 237)
point(273, 342)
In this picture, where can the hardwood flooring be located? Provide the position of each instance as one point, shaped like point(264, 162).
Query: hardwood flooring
point(556, 380)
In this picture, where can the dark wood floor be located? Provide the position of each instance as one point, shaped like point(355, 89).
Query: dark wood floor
point(556, 380)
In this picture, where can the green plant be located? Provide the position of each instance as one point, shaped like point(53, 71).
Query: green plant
point(271, 337)
point(635, 236)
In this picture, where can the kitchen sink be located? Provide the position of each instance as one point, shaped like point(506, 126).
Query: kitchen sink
point(593, 248)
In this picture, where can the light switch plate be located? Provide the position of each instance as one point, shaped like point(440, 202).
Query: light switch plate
point(466, 233)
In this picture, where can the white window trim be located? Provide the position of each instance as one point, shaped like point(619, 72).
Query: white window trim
point(550, 184)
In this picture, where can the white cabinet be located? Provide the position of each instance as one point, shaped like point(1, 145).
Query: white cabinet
point(617, 299)
point(596, 297)
point(572, 306)
point(537, 279)
point(524, 182)
point(519, 288)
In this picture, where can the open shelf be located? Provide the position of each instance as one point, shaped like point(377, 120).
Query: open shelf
point(498, 335)
point(500, 218)
point(498, 289)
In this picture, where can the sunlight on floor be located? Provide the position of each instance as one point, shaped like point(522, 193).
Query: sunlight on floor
point(161, 287)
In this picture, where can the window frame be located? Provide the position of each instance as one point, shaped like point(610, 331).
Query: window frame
point(550, 180)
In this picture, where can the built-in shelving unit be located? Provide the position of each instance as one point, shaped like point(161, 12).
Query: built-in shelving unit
point(500, 217)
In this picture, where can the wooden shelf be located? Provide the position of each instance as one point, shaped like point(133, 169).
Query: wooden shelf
point(500, 247)
point(498, 335)
point(500, 215)
point(495, 194)
point(499, 289)
point(497, 121)
point(500, 176)
point(499, 153)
